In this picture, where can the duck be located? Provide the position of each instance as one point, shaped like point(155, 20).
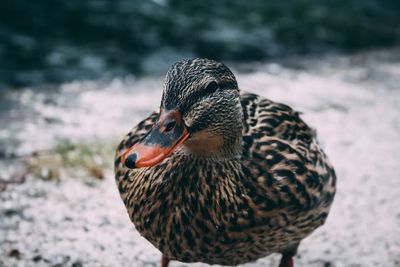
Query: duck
point(222, 176)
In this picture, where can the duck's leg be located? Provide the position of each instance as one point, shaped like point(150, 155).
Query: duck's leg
point(286, 261)
point(164, 261)
point(287, 256)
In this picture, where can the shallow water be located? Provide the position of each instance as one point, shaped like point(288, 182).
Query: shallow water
point(352, 100)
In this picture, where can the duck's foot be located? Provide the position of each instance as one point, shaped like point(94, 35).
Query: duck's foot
point(286, 261)
point(164, 261)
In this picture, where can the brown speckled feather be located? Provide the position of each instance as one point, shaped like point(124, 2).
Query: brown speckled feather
point(238, 210)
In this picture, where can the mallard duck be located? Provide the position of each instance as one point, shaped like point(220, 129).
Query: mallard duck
point(222, 176)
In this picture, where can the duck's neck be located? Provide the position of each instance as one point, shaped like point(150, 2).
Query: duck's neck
point(219, 143)
point(210, 145)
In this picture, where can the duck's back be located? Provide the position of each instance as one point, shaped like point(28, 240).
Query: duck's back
point(267, 120)
point(285, 160)
point(278, 142)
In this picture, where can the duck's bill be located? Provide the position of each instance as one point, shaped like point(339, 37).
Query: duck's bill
point(159, 142)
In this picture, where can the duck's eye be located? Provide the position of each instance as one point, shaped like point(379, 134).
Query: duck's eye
point(211, 87)
point(208, 90)
point(169, 125)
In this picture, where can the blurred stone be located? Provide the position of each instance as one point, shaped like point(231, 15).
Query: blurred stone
point(3, 186)
point(37, 258)
point(77, 264)
point(14, 253)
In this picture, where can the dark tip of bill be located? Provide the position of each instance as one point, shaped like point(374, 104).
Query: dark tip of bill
point(130, 161)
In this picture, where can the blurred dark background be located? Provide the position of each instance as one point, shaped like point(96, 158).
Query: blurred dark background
point(47, 41)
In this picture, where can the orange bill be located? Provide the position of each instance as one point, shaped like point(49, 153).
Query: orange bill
point(166, 135)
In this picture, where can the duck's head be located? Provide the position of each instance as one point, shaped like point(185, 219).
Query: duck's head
point(200, 111)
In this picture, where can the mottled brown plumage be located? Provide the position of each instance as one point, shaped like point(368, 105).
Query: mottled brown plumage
point(249, 181)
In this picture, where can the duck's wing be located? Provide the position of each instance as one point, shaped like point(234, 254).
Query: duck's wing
point(282, 155)
point(265, 119)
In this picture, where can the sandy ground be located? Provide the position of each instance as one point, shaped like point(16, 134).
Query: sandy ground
point(353, 102)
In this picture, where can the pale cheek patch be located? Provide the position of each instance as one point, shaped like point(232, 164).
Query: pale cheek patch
point(204, 143)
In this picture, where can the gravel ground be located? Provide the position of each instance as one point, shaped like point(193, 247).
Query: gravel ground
point(353, 101)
